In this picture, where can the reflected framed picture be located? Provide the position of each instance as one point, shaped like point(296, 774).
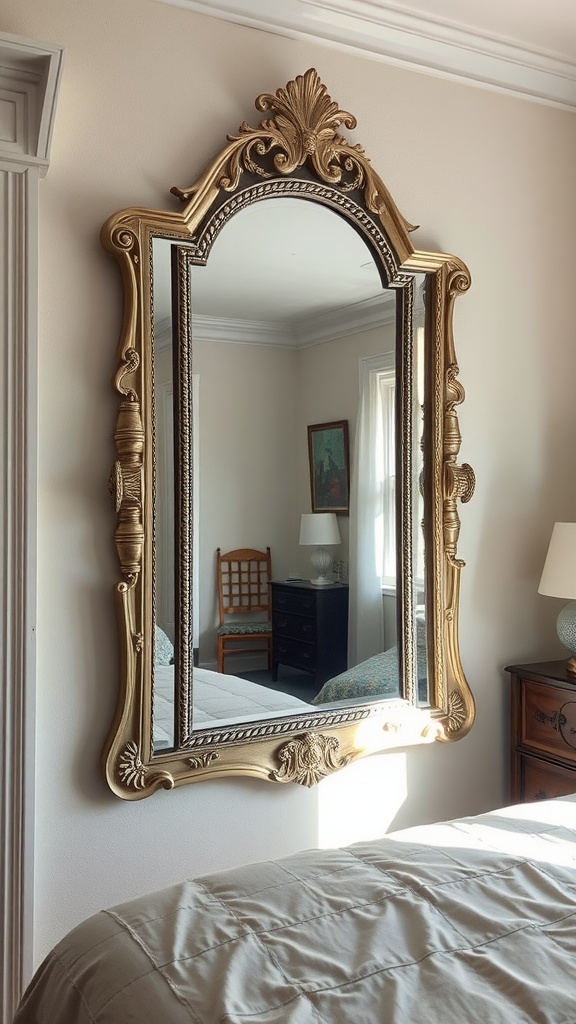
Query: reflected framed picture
point(329, 466)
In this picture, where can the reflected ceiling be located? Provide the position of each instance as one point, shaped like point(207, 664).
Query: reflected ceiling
point(266, 233)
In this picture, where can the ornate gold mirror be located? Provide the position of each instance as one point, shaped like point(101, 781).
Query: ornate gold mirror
point(279, 330)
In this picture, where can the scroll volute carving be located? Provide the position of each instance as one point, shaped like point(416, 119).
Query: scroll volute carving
point(297, 150)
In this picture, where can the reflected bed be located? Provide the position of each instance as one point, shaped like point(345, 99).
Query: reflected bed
point(376, 677)
point(472, 920)
point(217, 697)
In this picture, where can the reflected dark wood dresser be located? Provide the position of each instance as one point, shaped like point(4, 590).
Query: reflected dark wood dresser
point(310, 628)
point(543, 728)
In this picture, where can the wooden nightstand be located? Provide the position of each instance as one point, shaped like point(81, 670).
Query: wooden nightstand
point(310, 628)
point(543, 727)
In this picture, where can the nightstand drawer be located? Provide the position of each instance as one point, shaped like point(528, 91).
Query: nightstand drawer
point(296, 601)
point(295, 626)
point(541, 780)
point(292, 652)
point(549, 720)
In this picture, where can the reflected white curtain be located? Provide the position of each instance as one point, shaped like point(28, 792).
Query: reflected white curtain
point(371, 521)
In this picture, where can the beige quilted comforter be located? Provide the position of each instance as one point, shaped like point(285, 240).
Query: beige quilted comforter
point(468, 921)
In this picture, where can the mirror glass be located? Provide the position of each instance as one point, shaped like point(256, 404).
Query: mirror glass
point(290, 325)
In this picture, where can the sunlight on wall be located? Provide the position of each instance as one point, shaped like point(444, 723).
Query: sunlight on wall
point(361, 801)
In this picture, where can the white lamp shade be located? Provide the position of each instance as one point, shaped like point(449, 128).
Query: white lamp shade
point(559, 573)
point(319, 528)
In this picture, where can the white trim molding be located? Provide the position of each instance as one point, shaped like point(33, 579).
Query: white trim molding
point(366, 315)
point(378, 311)
point(29, 77)
point(395, 36)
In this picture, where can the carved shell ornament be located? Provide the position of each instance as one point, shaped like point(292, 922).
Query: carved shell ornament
point(138, 776)
point(305, 127)
point(456, 711)
point(306, 124)
point(307, 759)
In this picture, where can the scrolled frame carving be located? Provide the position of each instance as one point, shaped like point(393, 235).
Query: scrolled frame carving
point(298, 149)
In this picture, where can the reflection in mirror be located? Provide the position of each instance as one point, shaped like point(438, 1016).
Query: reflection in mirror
point(418, 626)
point(290, 325)
point(164, 504)
point(298, 301)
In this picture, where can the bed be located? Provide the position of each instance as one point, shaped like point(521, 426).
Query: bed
point(217, 697)
point(378, 676)
point(472, 920)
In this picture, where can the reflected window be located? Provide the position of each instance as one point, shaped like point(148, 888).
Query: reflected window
point(372, 522)
point(382, 391)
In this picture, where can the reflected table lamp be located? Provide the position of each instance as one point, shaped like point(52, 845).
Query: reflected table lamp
point(559, 580)
point(321, 530)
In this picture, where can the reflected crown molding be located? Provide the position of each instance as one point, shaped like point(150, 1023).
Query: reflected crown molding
point(407, 39)
point(379, 311)
point(241, 332)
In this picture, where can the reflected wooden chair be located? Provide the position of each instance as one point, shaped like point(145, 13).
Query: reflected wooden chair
point(243, 581)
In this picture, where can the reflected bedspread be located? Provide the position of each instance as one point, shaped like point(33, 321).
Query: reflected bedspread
point(218, 699)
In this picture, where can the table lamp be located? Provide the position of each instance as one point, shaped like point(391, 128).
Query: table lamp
point(559, 580)
point(320, 529)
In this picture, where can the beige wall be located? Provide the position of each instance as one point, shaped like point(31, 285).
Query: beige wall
point(148, 94)
point(247, 425)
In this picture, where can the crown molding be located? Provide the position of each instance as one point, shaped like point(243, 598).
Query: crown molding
point(392, 35)
point(228, 331)
point(241, 332)
point(379, 311)
point(370, 314)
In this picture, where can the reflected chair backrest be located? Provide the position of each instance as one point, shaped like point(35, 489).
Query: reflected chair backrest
point(243, 583)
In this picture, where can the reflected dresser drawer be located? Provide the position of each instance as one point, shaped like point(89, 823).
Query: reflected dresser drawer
point(298, 627)
point(287, 652)
point(310, 629)
point(543, 728)
point(299, 602)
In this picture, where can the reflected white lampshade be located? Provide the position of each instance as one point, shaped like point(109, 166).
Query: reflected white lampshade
point(559, 580)
point(321, 530)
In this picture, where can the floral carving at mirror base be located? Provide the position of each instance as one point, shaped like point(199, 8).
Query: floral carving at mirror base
point(296, 152)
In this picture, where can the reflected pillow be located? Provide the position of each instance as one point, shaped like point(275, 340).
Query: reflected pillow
point(163, 648)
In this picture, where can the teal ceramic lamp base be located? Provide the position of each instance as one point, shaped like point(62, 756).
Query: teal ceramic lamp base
point(566, 629)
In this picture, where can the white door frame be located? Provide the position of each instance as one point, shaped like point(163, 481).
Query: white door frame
point(29, 78)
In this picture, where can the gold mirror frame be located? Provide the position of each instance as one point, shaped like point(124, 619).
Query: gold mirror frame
point(298, 150)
